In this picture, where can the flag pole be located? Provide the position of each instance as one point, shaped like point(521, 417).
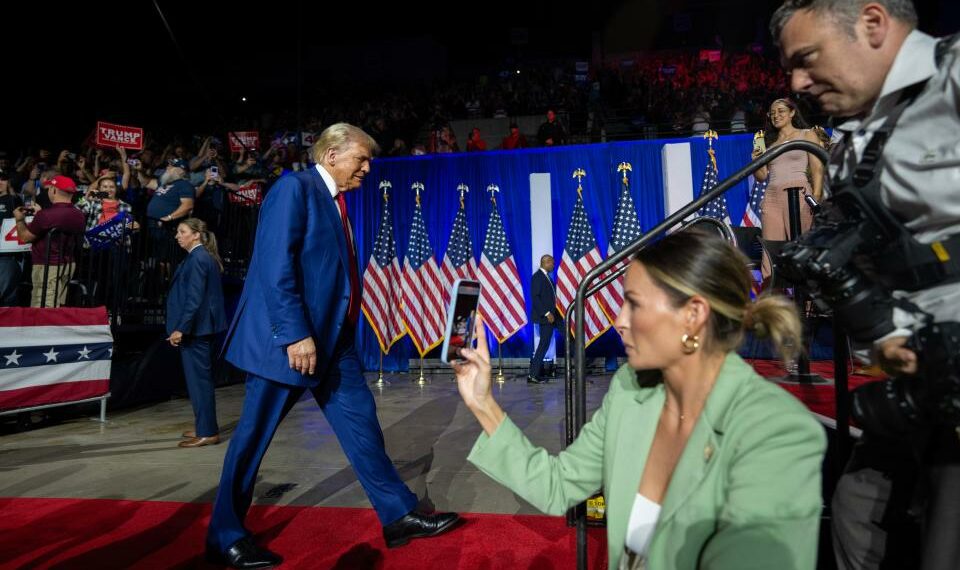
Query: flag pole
point(380, 381)
point(500, 358)
point(422, 380)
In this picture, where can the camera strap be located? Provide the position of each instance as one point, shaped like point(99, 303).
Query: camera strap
point(907, 263)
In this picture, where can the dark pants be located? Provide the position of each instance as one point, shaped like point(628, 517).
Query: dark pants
point(9, 278)
point(197, 355)
point(349, 407)
point(897, 505)
point(546, 335)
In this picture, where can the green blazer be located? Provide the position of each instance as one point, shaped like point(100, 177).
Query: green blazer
point(745, 492)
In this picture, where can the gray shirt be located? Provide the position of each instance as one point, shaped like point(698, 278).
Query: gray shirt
point(920, 177)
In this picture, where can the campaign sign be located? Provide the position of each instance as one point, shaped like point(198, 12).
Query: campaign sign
point(243, 139)
point(113, 136)
point(10, 243)
point(247, 195)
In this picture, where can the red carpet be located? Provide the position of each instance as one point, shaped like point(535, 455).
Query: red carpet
point(103, 534)
point(818, 397)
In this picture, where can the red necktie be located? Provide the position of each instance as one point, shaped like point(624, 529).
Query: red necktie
point(353, 311)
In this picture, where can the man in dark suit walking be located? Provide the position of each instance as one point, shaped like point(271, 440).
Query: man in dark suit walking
point(543, 311)
point(294, 330)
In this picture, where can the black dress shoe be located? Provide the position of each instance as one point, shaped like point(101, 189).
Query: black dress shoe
point(535, 380)
point(243, 554)
point(417, 525)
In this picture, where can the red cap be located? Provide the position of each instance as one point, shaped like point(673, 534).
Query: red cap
point(62, 183)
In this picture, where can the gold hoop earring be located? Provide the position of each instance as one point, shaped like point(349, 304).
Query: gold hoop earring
point(690, 343)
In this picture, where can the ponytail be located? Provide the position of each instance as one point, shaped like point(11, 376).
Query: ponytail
point(207, 239)
point(209, 242)
point(775, 317)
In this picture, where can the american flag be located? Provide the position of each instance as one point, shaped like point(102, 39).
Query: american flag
point(501, 294)
point(751, 219)
point(458, 262)
point(753, 213)
point(580, 255)
point(422, 288)
point(50, 356)
point(381, 285)
point(716, 208)
point(626, 229)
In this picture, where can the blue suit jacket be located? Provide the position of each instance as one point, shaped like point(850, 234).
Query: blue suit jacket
point(195, 301)
point(297, 285)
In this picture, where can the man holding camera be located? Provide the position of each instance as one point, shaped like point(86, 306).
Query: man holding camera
point(52, 235)
point(897, 91)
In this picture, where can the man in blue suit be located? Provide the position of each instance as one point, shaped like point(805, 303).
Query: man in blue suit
point(543, 311)
point(294, 330)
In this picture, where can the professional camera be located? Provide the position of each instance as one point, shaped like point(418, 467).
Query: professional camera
point(849, 262)
point(832, 263)
point(895, 408)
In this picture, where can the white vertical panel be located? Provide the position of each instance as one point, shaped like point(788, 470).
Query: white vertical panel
point(677, 177)
point(541, 234)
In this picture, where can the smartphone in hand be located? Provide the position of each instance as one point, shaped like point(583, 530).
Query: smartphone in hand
point(759, 143)
point(461, 316)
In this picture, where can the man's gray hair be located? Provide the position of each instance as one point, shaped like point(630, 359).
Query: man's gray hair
point(843, 12)
point(338, 136)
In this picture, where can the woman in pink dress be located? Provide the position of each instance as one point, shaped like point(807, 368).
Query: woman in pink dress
point(792, 169)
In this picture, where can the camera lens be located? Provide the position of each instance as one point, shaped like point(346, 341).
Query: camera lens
point(889, 408)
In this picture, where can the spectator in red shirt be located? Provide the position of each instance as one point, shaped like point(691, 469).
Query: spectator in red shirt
point(514, 139)
point(52, 255)
point(474, 142)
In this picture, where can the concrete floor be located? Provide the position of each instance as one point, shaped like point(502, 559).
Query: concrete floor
point(428, 432)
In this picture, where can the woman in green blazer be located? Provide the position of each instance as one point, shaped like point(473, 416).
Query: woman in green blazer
point(704, 464)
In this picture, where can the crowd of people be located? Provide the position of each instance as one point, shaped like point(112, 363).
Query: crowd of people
point(665, 93)
point(94, 201)
point(704, 464)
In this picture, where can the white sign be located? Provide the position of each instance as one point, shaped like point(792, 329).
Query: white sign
point(10, 243)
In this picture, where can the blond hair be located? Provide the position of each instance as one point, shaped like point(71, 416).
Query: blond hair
point(693, 262)
point(207, 239)
point(337, 137)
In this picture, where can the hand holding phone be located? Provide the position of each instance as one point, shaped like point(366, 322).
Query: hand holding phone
point(473, 377)
point(759, 144)
point(461, 317)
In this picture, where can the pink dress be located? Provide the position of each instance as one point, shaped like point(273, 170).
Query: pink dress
point(789, 170)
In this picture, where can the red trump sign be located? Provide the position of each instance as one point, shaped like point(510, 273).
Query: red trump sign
point(113, 136)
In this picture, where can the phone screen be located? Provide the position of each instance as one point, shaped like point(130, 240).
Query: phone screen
point(461, 316)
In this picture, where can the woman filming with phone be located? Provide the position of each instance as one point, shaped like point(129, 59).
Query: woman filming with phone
point(100, 204)
point(792, 169)
point(703, 463)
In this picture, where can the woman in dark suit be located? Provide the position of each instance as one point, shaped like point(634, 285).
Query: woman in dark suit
point(194, 316)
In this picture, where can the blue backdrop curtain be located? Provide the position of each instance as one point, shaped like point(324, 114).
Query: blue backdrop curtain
point(510, 170)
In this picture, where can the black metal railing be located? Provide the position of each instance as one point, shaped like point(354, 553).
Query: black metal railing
point(130, 273)
point(609, 270)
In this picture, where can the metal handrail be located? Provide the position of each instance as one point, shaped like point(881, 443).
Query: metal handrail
point(575, 384)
